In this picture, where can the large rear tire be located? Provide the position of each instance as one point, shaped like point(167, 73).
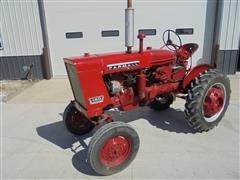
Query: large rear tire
point(207, 100)
point(112, 148)
point(75, 121)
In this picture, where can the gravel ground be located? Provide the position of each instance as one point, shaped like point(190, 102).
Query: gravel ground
point(10, 88)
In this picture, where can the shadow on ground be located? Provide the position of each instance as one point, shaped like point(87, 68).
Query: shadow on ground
point(57, 134)
point(172, 120)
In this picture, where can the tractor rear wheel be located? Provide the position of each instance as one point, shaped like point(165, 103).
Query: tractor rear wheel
point(207, 100)
point(76, 122)
point(162, 102)
point(112, 148)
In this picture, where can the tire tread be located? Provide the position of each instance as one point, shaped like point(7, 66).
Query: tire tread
point(195, 93)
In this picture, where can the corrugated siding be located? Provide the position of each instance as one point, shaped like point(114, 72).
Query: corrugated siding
point(230, 28)
point(228, 54)
point(14, 67)
point(227, 61)
point(20, 28)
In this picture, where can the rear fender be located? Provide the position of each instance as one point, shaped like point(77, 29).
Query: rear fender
point(193, 73)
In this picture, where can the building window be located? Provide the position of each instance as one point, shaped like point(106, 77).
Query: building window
point(72, 35)
point(149, 32)
point(1, 42)
point(1, 45)
point(184, 31)
point(110, 33)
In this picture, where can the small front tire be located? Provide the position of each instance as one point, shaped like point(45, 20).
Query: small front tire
point(162, 102)
point(76, 122)
point(112, 148)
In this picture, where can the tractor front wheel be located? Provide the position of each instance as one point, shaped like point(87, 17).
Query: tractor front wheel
point(162, 102)
point(76, 122)
point(207, 100)
point(112, 148)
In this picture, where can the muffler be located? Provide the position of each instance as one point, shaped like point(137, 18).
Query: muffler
point(129, 26)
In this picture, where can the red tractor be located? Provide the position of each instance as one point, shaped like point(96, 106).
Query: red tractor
point(128, 80)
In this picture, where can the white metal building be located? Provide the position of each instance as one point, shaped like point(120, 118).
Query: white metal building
point(35, 35)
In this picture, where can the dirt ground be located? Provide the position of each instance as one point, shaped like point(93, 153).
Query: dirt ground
point(10, 88)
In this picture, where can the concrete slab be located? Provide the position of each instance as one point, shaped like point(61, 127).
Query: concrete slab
point(36, 144)
point(45, 91)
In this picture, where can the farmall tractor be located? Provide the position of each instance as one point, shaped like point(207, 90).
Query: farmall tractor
point(131, 79)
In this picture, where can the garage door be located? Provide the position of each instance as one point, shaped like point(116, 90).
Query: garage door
point(98, 26)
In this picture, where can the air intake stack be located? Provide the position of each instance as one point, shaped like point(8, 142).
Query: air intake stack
point(129, 26)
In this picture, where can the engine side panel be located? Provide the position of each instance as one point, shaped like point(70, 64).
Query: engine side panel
point(95, 92)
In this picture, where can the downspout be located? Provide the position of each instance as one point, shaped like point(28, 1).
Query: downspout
point(216, 32)
point(47, 70)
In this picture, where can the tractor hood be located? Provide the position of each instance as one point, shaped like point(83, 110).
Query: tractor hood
point(121, 61)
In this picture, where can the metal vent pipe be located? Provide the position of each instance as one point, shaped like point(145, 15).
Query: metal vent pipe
point(129, 26)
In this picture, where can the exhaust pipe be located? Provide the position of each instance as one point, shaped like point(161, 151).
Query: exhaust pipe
point(129, 26)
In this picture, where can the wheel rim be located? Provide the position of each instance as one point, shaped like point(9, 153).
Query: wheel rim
point(79, 121)
point(214, 102)
point(115, 151)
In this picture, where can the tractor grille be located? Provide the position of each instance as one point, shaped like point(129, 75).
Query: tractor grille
point(75, 83)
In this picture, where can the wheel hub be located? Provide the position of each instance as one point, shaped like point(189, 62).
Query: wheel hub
point(115, 151)
point(213, 102)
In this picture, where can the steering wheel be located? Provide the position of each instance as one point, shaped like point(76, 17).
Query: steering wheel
point(169, 43)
